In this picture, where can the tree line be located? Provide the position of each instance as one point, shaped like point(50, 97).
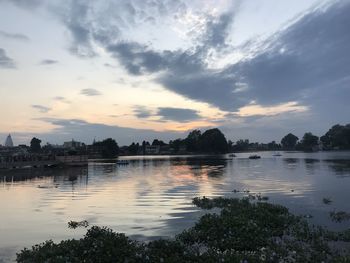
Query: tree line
point(214, 141)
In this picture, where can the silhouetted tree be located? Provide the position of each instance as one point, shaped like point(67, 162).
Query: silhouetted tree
point(289, 141)
point(158, 142)
point(308, 142)
point(35, 146)
point(241, 145)
point(133, 148)
point(192, 141)
point(176, 144)
point(213, 141)
point(337, 137)
point(108, 148)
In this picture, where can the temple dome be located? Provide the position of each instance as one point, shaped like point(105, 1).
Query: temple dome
point(9, 142)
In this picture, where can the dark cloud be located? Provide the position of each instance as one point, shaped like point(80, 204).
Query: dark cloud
point(84, 131)
point(178, 114)
point(41, 108)
point(25, 3)
point(5, 61)
point(217, 30)
point(301, 63)
point(138, 59)
point(13, 36)
point(48, 62)
point(142, 112)
point(90, 92)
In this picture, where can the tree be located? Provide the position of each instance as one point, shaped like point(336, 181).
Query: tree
point(309, 141)
point(133, 148)
point(35, 146)
point(337, 137)
point(241, 145)
point(176, 144)
point(289, 141)
point(108, 148)
point(192, 141)
point(158, 142)
point(213, 141)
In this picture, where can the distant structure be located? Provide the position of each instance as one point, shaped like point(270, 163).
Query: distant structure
point(9, 142)
point(72, 144)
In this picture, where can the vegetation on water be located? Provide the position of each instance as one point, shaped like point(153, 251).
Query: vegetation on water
point(238, 230)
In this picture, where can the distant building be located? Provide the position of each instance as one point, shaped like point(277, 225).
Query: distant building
point(72, 144)
point(9, 142)
point(152, 149)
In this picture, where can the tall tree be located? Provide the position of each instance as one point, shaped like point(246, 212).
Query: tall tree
point(289, 141)
point(213, 141)
point(337, 137)
point(35, 146)
point(108, 148)
point(309, 141)
point(192, 141)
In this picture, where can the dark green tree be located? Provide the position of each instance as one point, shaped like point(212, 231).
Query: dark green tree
point(35, 146)
point(158, 142)
point(338, 137)
point(176, 144)
point(241, 145)
point(108, 148)
point(309, 141)
point(133, 148)
point(192, 141)
point(213, 141)
point(289, 141)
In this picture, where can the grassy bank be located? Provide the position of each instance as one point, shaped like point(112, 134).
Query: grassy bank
point(243, 231)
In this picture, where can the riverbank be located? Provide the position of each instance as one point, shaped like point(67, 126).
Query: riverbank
point(242, 231)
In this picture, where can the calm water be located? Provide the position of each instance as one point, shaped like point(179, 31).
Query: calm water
point(151, 197)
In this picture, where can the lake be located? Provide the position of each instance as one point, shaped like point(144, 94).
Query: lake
point(151, 197)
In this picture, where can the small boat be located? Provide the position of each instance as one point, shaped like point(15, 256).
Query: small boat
point(254, 156)
point(277, 154)
point(232, 155)
point(122, 162)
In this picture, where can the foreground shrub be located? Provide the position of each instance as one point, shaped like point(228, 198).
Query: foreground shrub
point(241, 231)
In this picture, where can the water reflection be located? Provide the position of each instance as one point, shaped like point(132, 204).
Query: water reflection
point(151, 196)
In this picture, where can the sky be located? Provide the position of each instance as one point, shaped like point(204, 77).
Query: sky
point(144, 69)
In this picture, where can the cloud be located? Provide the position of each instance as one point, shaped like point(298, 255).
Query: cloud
point(142, 112)
point(90, 92)
point(40, 108)
point(5, 61)
point(177, 114)
point(13, 36)
point(301, 63)
point(84, 131)
point(48, 62)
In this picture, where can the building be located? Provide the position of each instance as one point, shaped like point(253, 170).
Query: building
point(72, 144)
point(9, 142)
point(152, 149)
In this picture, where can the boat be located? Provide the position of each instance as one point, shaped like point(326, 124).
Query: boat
point(122, 162)
point(232, 155)
point(277, 154)
point(254, 156)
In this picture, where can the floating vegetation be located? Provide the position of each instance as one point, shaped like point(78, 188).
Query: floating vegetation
point(326, 200)
point(339, 216)
point(76, 224)
point(243, 231)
